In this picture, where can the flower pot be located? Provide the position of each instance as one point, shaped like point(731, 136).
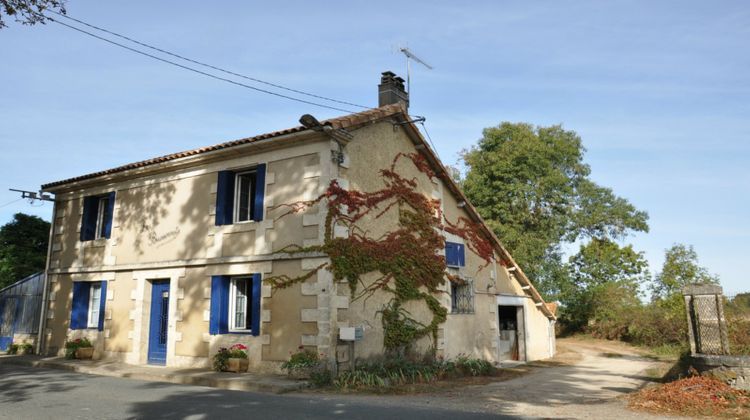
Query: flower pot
point(235, 364)
point(84, 352)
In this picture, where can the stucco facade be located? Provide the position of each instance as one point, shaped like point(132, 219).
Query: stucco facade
point(164, 230)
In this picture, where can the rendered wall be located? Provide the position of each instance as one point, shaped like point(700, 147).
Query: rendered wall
point(163, 228)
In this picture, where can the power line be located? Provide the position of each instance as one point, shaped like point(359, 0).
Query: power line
point(11, 202)
point(196, 70)
point(208, 65)
point(429, 138)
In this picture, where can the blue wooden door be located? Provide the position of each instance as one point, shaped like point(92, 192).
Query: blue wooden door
point(157, 336)
point(7, 322)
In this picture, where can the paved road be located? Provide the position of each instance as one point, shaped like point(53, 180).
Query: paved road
point(34, 393)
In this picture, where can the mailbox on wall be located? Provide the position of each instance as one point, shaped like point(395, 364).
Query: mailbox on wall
point(351, 333)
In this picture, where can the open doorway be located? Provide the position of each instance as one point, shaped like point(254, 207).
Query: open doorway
point(510, 325)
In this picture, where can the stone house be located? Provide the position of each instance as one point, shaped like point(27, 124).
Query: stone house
point(164, 261)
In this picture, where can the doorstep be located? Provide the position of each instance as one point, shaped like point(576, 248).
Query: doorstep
point(202, 377)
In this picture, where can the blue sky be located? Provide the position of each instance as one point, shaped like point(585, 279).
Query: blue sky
point(659, 92)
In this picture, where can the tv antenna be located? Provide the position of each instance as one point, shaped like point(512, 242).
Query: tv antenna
point(410, 56)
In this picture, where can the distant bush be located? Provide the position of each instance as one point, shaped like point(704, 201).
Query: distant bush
point(739, 335)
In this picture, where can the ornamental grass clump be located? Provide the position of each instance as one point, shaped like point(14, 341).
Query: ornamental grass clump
point(71, 346)
point(398, 371)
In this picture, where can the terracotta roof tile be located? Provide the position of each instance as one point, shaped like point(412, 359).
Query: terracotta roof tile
point(346, 121)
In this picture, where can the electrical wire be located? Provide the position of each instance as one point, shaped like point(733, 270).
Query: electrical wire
point(208, 65)
point(11, 202)
point(428, 137)
point(164, 60)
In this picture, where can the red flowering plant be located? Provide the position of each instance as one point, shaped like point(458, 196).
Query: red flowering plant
point(72, 345)
point(238, 351)
point(235, 351)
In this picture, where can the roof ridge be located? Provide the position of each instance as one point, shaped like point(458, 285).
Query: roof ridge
point(343, 121)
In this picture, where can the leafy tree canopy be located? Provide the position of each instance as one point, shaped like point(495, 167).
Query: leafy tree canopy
point(23, 247)
point(28, 12)
point(532, 187)
point(680, 269)
point(604, 281)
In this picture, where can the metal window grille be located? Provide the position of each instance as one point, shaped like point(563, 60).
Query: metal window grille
point(462, 297)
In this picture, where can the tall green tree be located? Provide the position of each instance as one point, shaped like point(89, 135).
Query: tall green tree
point(29, 12)
point(605, 283)
point(23, 247)
point(680, 269)
point(533, 188)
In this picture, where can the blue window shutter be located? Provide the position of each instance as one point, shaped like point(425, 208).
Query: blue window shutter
point(260, 186)
point(79, 312)
point(219, 320)
point(110, 213)
point(88, 220)
point(102, 301)
point(225, 198)
point(255, 304)
point(451, 254)
point(455, 254)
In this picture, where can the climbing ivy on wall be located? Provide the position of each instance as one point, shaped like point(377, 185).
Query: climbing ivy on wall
point(406, 259)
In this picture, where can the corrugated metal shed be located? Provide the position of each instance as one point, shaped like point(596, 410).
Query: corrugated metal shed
point(20, 308)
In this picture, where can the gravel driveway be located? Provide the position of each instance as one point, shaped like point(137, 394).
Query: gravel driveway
point(587, 380)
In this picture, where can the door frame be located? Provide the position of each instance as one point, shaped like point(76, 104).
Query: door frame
point(522, 325)
point(162, 283)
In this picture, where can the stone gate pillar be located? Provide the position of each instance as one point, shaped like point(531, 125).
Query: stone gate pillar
point(707, 328)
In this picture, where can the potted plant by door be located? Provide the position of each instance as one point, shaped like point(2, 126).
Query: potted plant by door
point(80, 348)
point(232, 359)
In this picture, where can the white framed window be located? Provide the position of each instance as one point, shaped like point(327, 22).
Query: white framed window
point(102, 216)
point(240, 295)
point(462, 297)
point(244, 196)
point(95, 298)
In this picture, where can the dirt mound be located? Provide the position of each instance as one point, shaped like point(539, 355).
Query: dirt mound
point(693, 396)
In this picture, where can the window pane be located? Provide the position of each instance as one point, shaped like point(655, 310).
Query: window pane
point(94, 301)
point(102, 216)
point(240, 303)
point(244, 196)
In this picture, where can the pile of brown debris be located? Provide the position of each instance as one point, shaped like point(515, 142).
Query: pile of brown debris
point(694, 396)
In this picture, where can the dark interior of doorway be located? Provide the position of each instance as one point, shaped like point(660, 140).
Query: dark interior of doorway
point(508, 323)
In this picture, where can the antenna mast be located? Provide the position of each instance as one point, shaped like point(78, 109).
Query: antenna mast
point(410, 56)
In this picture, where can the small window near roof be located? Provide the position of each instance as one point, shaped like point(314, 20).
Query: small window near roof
point(96, 222)
point(244, 202)
point(102, 216)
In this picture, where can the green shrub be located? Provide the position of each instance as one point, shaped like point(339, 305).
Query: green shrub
point(13, 349)
point(655, 326)
point(474, 367)
point(383, 373)
point(738, 329)
point(302, 359)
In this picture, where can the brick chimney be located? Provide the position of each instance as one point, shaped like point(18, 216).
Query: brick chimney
point(391, 90)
